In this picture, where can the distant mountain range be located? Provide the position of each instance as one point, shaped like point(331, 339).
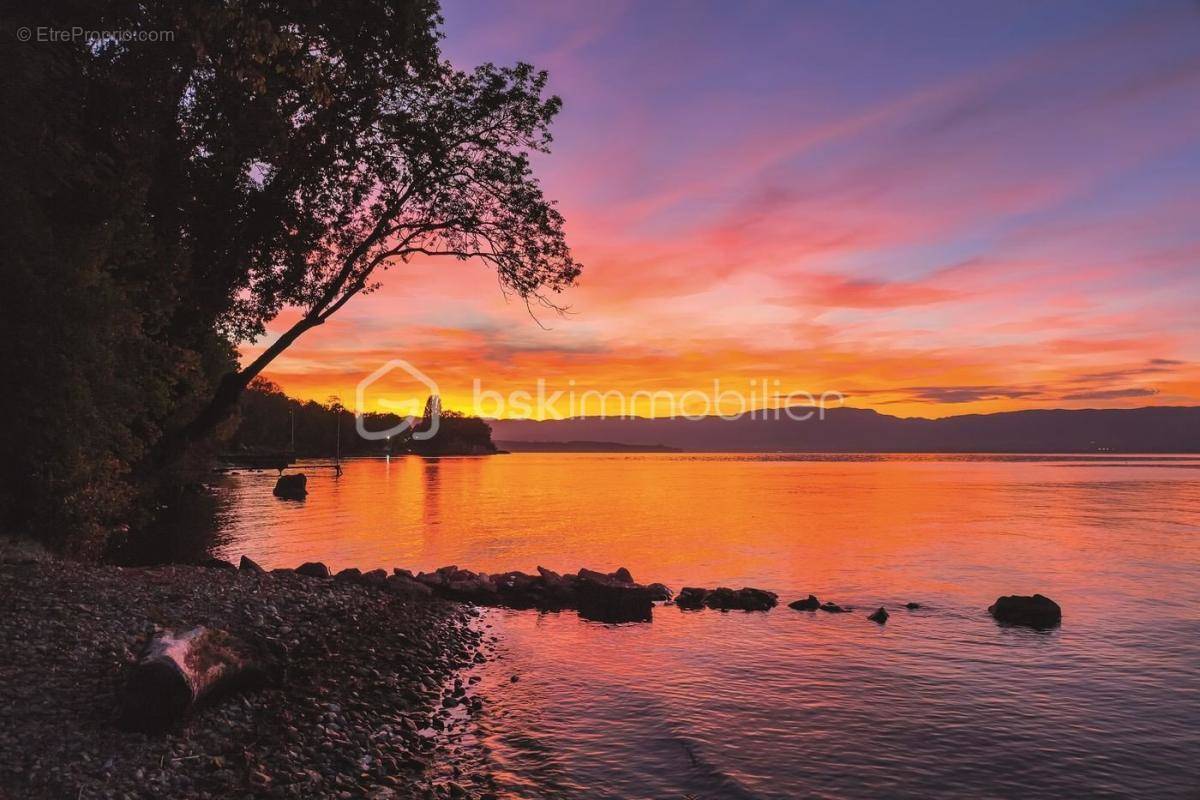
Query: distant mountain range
point(581, 447)
point(1166, 429)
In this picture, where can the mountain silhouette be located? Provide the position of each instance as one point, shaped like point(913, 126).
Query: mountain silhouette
point(1163, 429)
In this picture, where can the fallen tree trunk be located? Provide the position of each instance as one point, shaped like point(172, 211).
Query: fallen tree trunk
point(183, 669)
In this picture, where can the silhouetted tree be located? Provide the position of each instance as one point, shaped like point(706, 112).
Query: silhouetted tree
point(442, 169)
point(265, 414)
point(96, 369)
point(165, 200)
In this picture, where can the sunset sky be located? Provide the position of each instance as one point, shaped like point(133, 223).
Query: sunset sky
point(934, 209)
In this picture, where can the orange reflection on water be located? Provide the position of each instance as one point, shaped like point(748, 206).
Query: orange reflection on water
point(797, 704)
point(884, 525)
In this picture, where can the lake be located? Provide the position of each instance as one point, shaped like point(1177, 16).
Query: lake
point(939, 702)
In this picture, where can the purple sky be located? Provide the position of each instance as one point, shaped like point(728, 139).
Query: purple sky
point(935, 208)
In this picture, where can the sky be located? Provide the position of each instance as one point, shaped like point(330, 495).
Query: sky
point(929, 208)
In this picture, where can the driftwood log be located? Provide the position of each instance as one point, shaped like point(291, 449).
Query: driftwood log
point(180, 670)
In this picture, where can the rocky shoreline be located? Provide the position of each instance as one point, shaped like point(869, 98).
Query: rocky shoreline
point(367, 697)
point(367, 706)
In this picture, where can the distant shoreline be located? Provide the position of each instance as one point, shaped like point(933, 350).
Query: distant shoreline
point(584, 447)
point(617, 447)
point(1149, 430)
point(568, 447)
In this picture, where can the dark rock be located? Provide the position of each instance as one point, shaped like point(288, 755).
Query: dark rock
point(376, 577)
point(1037, 611)
point(438, 578)
point(247, 564)
point(912, 606)
point(469, 586)
point(519, 590)
point(833, 608)
point(810, 603)
point(608, 598)
point(408, 587)
point(880, 615)
point(556, 591)
point(547, 591)
point(691, 598)
point(313, 569)
point(726, 599)
point(549, 575)
point(592, 575)
point(349, 575)
point(217, 563)
point(514, 583)
point(745, 599)
point(659, 591)
point(721, 599)
point(292, 487)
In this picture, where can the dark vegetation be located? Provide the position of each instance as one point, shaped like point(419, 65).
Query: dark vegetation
point(163, 201)
point(265, 416)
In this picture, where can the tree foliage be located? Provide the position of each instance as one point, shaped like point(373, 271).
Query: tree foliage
point(164, 201)
point(442, 171)
point(266, 418)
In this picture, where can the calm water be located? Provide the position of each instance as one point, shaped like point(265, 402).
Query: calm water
point(940, 702)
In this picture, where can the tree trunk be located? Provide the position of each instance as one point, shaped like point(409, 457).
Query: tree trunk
point(224, 401)
point(182, 669)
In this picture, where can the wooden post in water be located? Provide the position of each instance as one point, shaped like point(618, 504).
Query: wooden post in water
point(336, 402)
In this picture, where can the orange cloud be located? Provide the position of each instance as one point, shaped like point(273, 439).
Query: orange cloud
point(1015, 230)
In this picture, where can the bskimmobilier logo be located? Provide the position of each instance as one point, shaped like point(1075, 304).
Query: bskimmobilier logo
point(409, 407)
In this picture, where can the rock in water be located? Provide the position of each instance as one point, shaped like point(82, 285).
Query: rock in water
point(609, 598)
point(659, 591)
point(810, 603)
point(471, 586)
point(313, 569)
point(179, 670)
point(292, 487)
point(880, 615)
point(912, 606)
point(551, 591)
point(725, 599)
point(376, 577)
point(691, 598)
point(404, 586)
point(249, 565)
point(745, 599)
point(833, 608)
point(1034, 612)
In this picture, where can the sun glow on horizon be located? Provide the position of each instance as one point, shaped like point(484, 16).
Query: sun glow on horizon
point(1007, 224)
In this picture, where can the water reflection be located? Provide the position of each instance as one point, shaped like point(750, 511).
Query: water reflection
point(939, 702)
